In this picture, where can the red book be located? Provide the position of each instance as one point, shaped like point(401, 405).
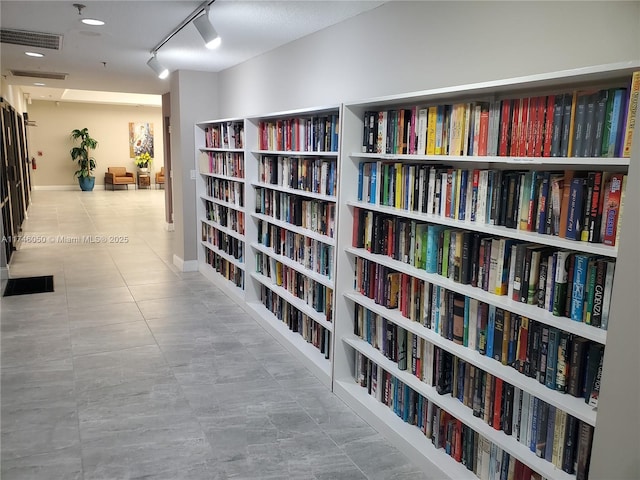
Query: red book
point(447, 204)
point(514, 148)
point(457, 444)
point(505, 123)
point(524, 128)
point(539, 128)
point(532, 129)
point(548, 126)
point(484, 131)
point(497, 404)
point(279, 134)
point(612, 208)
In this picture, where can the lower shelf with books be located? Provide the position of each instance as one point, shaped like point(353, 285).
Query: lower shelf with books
point(224, 266)
point(414, 408)
point(219, 280)
point(308, 354)
point(408, 438)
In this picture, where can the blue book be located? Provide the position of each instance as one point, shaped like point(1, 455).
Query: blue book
point(552, 358)
point(360, 180)
point(491, 323)
point(463, 194)
point(533, 420)
point(574, 217)
point(579, 284)
point(617, 127)
point(436, 310)
point(543, 198)
point(419, 413)
point(374, 181)
point(551, 423)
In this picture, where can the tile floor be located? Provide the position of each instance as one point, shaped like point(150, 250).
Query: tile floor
point(132, 369)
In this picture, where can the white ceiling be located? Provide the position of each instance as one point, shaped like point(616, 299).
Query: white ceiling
point(134, 28)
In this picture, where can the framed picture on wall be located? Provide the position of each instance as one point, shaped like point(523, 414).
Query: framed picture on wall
point(140, 138)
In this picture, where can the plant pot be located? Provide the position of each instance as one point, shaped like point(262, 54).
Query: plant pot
point(144, 169)
point(86, 183)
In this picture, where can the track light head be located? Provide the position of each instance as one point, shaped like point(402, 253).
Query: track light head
point(207, 32)
point(161, 71)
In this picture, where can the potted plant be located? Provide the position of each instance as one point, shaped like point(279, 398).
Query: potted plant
point(143, 161)
point(82, 154)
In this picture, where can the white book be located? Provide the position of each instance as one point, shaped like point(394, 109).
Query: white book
point(467, 210)
point(428, 370)
point(606, 301)
point(525, 427)
point(481, 212)
point(512, 270)
point(473, 324)
point(443, 193)
point(422, 131)
point(431, 190)
point(486, 459)
point(517, 410)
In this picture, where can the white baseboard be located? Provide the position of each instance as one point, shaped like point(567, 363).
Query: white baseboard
point(170, 227)
point(56, 187)
point(185, 266)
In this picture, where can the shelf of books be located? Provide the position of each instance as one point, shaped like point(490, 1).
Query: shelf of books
point(291, 230)
point(477, 264)
point(220, 186)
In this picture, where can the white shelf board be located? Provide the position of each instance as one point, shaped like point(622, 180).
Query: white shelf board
point(294, 228)
point(235, 292)
point(225, 255)
point(295, 153)
point(310, 356)
point(300, 304)
point(532, 312)
point(300, 112)
point(228, 231)
point(223, 177)
point(222, 202)
point(407, 438)
point(463, 413)
point(598, 162)
point(295, 191)
point(289, 262)
point(570, 404)
point(221, 149)
point(496, 230)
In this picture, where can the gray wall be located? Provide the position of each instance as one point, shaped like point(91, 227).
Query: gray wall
point(193, 98)
point(407, 46)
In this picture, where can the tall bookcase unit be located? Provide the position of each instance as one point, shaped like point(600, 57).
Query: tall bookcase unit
point(292, 165)
point(404, 334)
point(221, 205)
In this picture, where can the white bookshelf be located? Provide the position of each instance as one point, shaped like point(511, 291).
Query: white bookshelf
point(409, 438)
point(266, 155)
point(220, 158)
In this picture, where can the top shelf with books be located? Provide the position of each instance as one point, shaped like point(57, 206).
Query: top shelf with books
point(563, 116)
point(300, 132)
point(223, 135)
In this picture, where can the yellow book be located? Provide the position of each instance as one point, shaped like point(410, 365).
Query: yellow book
point(432, 118)
point(505, 337)
point(632, 111)
point(399, 185)
point(455, 130)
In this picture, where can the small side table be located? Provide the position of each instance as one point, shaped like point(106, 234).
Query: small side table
point(144, 180)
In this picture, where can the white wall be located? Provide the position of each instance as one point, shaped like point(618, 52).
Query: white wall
point(407, 46)
point(109, 124)
point(193, 98)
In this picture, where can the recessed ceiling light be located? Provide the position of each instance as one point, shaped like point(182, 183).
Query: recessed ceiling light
point(92, 21)
point(34, 54)
point(38, 84)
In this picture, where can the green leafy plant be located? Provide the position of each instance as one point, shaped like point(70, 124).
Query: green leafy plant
point(82, 153)
point(143, 160)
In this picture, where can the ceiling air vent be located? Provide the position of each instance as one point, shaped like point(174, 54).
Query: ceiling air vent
point(31, 39)
point(37, 74)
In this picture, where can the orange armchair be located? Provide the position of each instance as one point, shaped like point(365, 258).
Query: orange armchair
point(118, 176)
point(160, 177)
